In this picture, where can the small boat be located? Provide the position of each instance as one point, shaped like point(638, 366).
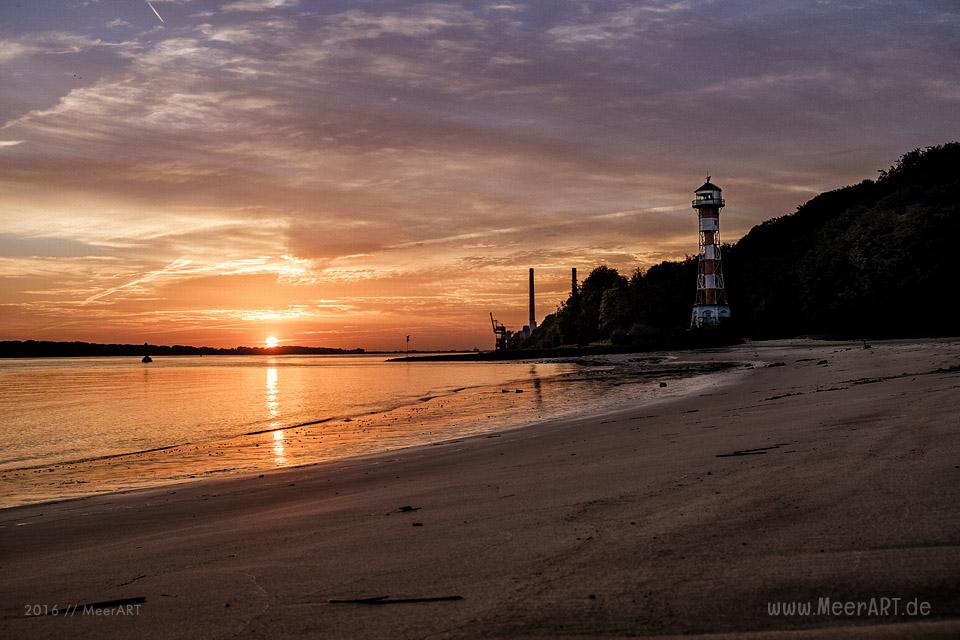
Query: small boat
point(147, 359)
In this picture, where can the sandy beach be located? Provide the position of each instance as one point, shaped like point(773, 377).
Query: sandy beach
point(827, 470)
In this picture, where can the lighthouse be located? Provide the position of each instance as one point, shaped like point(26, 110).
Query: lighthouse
point(710, 308)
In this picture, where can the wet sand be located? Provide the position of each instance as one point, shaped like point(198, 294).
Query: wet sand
point(828, 470)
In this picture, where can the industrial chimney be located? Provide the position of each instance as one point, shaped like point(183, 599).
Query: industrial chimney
point(533, 311)
point(573, 282)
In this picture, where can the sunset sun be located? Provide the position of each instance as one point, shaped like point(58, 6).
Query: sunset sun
point(271, 342)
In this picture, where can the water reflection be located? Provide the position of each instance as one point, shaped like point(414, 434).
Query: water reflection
point(56, 410)
point(273, 414)
point(273, 405)
point(537, 390)
point(279, 456)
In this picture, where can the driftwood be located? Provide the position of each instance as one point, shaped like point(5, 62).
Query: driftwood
point(751, 452)
point(389, 600)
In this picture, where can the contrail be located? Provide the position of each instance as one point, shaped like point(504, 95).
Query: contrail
point(174, 266)
point(157, 13)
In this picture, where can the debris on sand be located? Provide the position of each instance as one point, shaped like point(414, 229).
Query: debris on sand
point(784, 395)
point(106, 604)
point(751, 452)
point(741, 453)
point(389, 600)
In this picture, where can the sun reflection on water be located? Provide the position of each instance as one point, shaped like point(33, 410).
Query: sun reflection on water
point(273, 405)
point(273, 413)
point(279, 456)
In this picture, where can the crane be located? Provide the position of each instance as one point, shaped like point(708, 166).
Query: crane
point(500, 332)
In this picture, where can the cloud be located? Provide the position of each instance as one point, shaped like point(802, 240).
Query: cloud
point(605, 28)
point(229, 34)
point(54, 43)
point(943, 89)
point(284, 269)
point(10, 49)
point(257, 6)
point(12, 245)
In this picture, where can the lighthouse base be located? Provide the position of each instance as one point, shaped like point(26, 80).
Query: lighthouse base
point(709, 315)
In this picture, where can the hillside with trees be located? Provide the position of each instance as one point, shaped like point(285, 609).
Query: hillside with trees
point(868, 260)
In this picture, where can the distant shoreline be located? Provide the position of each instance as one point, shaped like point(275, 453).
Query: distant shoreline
point(50, 349)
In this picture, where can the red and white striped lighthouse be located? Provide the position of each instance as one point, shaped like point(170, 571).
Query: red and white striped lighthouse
point(710, 308)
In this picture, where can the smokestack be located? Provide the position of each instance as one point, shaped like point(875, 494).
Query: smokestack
point(533, 311)
point(573, 282)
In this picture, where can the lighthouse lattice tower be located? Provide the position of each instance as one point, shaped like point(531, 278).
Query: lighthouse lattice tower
point(710, 308)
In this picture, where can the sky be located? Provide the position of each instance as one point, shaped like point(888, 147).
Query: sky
point(347, 173)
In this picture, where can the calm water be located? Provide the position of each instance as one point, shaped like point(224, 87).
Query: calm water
point(76, 408)
point(78, 426)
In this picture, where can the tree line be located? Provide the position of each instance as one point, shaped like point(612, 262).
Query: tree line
point(46, 348)
point(873, 259)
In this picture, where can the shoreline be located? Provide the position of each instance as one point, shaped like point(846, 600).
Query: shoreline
point(643, 521)
point(599, 410)
point(257, 451)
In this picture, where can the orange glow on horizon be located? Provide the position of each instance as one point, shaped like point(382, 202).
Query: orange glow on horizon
point(271, 342)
